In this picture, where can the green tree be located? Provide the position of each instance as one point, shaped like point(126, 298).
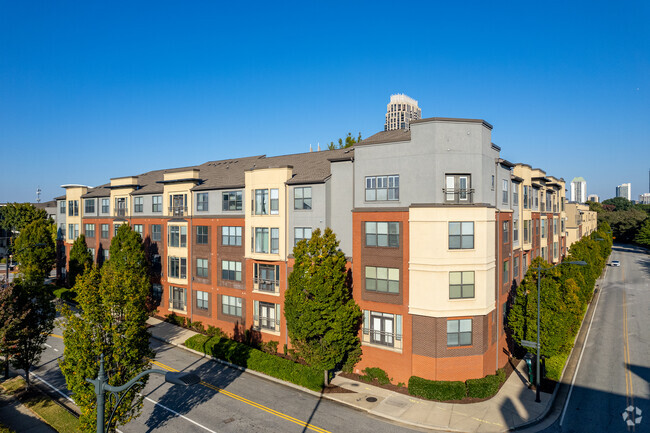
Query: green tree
point(16, 216)
point(322, 317)
point(342, 144)
point(33, 305)
point(35, 250)
point(112, 322)
point(80, 259)
point(619, 203)
point(10, 318)
point(643, 234)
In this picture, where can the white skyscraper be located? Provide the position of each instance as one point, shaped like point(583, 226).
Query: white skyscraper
point(400, 111)
point(578, 190)
point(624, 190)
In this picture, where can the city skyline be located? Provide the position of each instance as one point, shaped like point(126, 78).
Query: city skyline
point(94, 91)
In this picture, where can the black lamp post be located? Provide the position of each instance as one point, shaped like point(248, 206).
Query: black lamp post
point(101, 386)
point(539, 270)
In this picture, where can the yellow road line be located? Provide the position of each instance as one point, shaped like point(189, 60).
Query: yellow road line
point(56, 336)
point(249, 402)
point(629, 387)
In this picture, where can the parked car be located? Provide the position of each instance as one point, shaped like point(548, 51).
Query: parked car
point(615, 263)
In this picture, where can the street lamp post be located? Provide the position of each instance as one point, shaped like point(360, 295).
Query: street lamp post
point(101, 386)
point(539, 270)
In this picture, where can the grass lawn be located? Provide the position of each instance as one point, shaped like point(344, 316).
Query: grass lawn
point(56, 416)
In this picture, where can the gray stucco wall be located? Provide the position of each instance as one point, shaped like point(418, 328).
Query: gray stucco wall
point(215, 203)
point(315, 218)
point(436, 148)
point(341, 199)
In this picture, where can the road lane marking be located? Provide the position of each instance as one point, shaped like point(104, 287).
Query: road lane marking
point(249, 402)
point(51, 386)
point(178, 414)
point(56, 336)
point(575, 374)
point(629, 386)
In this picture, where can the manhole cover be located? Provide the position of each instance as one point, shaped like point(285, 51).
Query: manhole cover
point(371, 399)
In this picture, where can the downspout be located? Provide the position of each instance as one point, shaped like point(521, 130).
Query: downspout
point(496, 273)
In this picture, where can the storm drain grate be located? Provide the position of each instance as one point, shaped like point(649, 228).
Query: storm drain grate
point(371, 399)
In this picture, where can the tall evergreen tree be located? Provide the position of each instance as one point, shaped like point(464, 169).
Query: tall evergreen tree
point(35, 250)
point(112, 322)
point(322, 317)
point(80, 258)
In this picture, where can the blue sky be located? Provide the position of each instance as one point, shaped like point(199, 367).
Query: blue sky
point(90, 90)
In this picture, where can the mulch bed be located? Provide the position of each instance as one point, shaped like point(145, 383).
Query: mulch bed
point(509, 368)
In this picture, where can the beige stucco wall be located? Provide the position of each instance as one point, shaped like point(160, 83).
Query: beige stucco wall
point(267, 178)
point(74, 193)
point(431, 260)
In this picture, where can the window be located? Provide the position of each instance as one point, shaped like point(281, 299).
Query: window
point(461, 285)
point(232, 200)
point(555, 226)
point(457, 187)
point(515, 232)
point(73, 208)
point(515, 267)
point(120, 206)
point(231, 305)
point(459, 332)
point(275, 201)
point(301, 233)
point(90, 230)
point(275, 241)
point(544, 253)
point(70, 231)
point(106, 205)
point(89, 205)
point(177, 267)
point(261, 202)
point(384, 280)
point(157, 293)
point(302, 198)
point(461, 235)
point(506, 272)
point(202, 268)
point(116, 227)
point(267, 277)
point(62, 207)
point(230, 270)
point(105, 229)
point(177, 236)
point(202, 235)
point(536, 198)
point(492, 185)
point(138, 205)
point(177, 298)
point(76, 231)
point(202, 300)
point(515, 194)
point(62, 231)
point(139, 228)
point(562, 225)
point(506, 230)
point(156, 232)
point(382, 188)
point(261, 240)
point(526, 197)
point(504, 191)
point(231, 236)
point(382, 328)
point(105, 255)
point(266, 315)
point(202, 202)
point(156, 203)
point(543, 224)
point(526, 231)
point(555, 250)
point(382, 234)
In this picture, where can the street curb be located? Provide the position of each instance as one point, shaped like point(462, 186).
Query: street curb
point(544, 414)
point(240, 368)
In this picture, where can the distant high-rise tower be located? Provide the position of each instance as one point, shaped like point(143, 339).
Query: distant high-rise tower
point(400, 112)
point(624, 190)
point(593, 197)
point(578, 190)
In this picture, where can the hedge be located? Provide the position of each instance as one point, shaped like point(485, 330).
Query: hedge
point(554, 366)
point(436, 390)
point(248, 357)
point(486, 386)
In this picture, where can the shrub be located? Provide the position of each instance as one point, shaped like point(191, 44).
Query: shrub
point(215, 332)
point(371, 373)
point(271, 347)
point(436, 390)
point(174, 319)
point(554, 366)
point(501, 374)
point(198, 327)
point(484, 387)
point(248, 357)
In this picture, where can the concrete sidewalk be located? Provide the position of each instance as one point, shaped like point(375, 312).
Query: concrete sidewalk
point(513, 407)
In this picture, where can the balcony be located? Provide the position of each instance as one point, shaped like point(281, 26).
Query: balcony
point(119, 212)
point(264, 285)
point(177, 211)
point(458, 196)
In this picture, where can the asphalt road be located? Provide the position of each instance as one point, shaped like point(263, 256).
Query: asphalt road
point(614, 371)
point(228, 400)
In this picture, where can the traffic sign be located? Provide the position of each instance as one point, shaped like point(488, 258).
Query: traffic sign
point(530, 344)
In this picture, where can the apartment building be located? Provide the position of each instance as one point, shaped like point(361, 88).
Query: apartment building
point(400, 112)
point(438, 229)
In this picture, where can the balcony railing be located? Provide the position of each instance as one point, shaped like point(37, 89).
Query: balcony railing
point(177, 210)
point(266, 285)
point(453, 195)
point(119, 212)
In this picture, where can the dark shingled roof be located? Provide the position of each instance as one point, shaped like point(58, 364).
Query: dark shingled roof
point(387, 137)
point(98, 191)
point(226, 173)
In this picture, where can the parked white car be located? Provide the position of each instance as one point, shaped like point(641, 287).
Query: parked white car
point(615, 263)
